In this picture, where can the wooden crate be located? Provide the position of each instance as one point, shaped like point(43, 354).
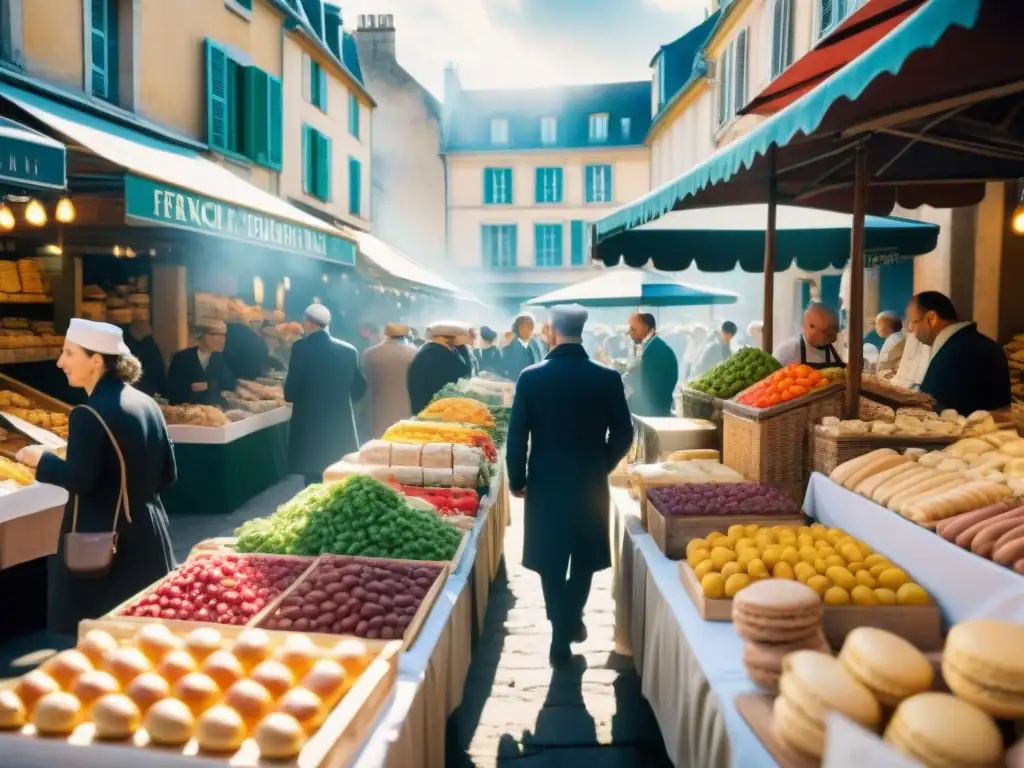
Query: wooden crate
point(919, 624)
point(828, 451)
point(672, 534)
point(456, 561)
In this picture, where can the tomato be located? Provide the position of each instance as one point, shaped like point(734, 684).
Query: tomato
point(804, 370)
point(797, 391)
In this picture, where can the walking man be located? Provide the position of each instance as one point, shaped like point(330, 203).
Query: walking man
point(570, 426)
point(386, 368)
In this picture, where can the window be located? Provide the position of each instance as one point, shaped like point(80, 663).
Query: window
point(659, 90)
point(317, 86)
point(577, 233)
point(499, 131)
point(244, 112)
point(353, 114)
point(782, 43)
point(625, 125)
point(241, 7)
point(355, 187)
point(548, 130)
point(831, 13)
point(316, 165)
point(103, 67)
point(740, 66)
point(599, 127)
point(549, 185)
point(598, 183)
point(498, 186)
point(499, 245)
point(731, 80)
point(547, 244)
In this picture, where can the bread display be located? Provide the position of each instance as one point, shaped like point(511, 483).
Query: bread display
point(29, 410)
point(194, 415)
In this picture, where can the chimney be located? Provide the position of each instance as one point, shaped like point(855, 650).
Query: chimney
point(452, 84)
point(376, 34)
point(333, 30)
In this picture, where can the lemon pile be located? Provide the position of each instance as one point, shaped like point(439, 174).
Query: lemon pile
point(840, 568)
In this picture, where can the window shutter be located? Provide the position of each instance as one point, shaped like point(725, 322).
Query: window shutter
point(112, 52)
point(539, 186)
point(509, 192)
point(538, 245)
point(558, 244)
point(322, 92)
point(588, 183)
point(307, 164)
point(355, 187)
point(488, 186)
point(324, 168)
point(609, 195)
point(486, 240)
point(741, 71)
point(512, 245)
point(557, 185)
point(719, 74)
point(256, 134)
point(576, 241)
point(275, 117)
point(99, 32)
point(353, 114)
point(827, 15)
point(216, 96)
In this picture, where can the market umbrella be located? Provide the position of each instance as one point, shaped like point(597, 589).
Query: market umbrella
point(723, 238)
point(635, 288)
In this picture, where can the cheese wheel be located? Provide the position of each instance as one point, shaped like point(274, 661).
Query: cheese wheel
point(872, 468)
point(888, 489)
point(841, 473)
point(868, 486)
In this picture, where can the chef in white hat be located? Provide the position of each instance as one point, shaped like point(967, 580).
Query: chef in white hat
point(199, 374)
point(323, 381)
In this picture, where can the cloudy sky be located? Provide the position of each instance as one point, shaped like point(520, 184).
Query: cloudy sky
point(521, 43)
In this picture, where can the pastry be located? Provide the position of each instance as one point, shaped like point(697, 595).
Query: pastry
point(220, 729)
point(12, 711)
point(776, 611)
point(886, 664)
point(57, 714)
point(169, 723)
point(116, 716)
point(847, 469)
point(763, 661)
point(279, 737)
point(982, 664)
point(937, 729)
point(872, 468)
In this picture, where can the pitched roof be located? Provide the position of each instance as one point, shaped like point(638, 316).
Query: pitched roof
point(468, 124)
point(350, 57)
point(684, 57)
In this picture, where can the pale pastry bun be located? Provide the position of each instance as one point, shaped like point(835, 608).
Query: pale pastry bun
point(326, 679)
point(66, 667)
point(298, 654)
point(33, 686)
point(175, 665)
point(115, 716)
point(305, 706)
point(251, 648)
point(93, 685)
point(223, 668)
point(352, 655)
point(57, 713)
point(12, 711)
point(202, 642)
point(279, 737)
point(198, 691)
point(220, 729)
point(147, 689)
point(169, 722)
point(275, 677)
point(156, 641)
point(125, 664)
point(249, 699)
point(97, 645)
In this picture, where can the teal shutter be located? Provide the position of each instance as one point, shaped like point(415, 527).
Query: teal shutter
point(538, 245)
point(113, 57)
point(353, 114)
point(558, 244)
point(576, 241)
point(513, 249)
point(275, 118)
point(486, 245)
point(488, 186)
point(609, 195)
point(99, 31)
point(588, 183)
point(538, 195)
point(323, 167)
point(256, 133)
point(307, 159)
point(559, 188)
point(355, 187)
point(235, 89)
point(216, 96)
point(509, 193)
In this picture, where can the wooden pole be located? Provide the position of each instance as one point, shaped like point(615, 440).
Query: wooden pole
point(768, 312)
point(855, 327)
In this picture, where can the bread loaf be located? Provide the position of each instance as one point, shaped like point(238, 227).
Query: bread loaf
point(1014, 448)
point(923, 491)
point(912, 477)
point(873, 467)
point(845, 470)
point(969, 446)
point(955, 501)
point(869, 485)
point(1001, 438)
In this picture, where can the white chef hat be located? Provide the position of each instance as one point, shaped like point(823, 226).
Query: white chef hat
point(319, 314)
point(101, 338)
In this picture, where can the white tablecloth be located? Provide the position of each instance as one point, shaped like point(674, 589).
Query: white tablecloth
point(187, 434)
point(31, 499)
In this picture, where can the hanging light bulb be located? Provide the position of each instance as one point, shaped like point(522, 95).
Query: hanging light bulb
point(257, 290)
point(35, 214)
point(7, 221)
point(1017, 217)
point(65, 212)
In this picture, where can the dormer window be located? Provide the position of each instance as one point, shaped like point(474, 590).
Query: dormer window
point(599, 127)
point(626, 125)
point(499, 131)
point(548, 130)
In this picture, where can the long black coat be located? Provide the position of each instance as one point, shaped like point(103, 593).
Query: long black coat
point(489, 360)
point(516, 357)
point(186, 370)
point(969, 373)
point(654, 381)
point(154, 374)
point(323, 381)
point(434, 366)
point(570, 426)
point(93, 473)
point(245, 352)
point(469, 358)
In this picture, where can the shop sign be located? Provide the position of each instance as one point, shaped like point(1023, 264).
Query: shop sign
point(150, 200)
point(24, 160)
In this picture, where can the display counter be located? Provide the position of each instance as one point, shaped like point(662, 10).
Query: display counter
point(221, 468)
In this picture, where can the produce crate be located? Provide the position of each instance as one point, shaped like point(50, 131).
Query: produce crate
point(829, 451)
point(415, 625)
point(456, 561)
point(918, 624)
point(771, 445)
point(335, 743)
point(672, 534)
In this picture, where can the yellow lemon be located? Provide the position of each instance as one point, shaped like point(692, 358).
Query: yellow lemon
point(836, 596)
point(820, 565)
point(803, 572)
point(912, 594)
point(790, 555)
point(834, 534)
point(826, 551)
point(744, 557)
point(872, 560)
point(783, 570)
point(783, 529)
point(756, 569)
point(865, 578)
point(745, 543)
point(703, 568)
point(717, 539)
point(835, 560)
point(803, 530)
point(822, 543)
point(737, 531)
point(730, 569)
point(862, 595)
point(735, 583)
point(877, 569)
point(693, 544)
point(819, 583)
point(841, 577)
point(851, 553)
point(808, 554)
point(771, 556)
point(893, 578)
point(855, 567)
point(818, 531)
point(720, 556)
point(695, 556)
point(865, 549)
point(885, 596)
point(752, 530)
point(713, 585)
point(787, 540)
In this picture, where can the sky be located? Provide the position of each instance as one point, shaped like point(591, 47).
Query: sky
point(523, 43)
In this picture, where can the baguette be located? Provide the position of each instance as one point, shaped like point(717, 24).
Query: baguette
point(945, 494)
point(918, 491)
point(868, 487)
point(912, 476)
point(845, 470)
point(1009, 547)
point(966, 538)
point(872, 468)
point(985, 541)
point(950, 529)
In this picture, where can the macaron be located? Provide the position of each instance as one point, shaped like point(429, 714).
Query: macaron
point(937, 729)
point(886, 664)
point(812, 685)
point(982, 663)
point(763, 661)
point(776, 611)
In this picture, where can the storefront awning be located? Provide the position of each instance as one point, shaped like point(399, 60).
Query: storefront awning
point(30, 160)
point(635, 288)
point(177, 187)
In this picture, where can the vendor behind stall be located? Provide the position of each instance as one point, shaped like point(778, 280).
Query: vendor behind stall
point(816, 344)
point(140, 341)
point(968, 371)
point(489, 356)
point(199, 374)
point(245, 351)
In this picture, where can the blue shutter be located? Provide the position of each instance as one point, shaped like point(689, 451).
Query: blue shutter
point(588, 184)
point(538, 245)
point(486, 245)
point(609, 188)
point(509, 192)
point(488, 186)
point(256, 133)
point(216, 96)
point(355, 188)
point(99, 30)
point(576, 241)
point(113, 57)
point(513, 236)
point(353, 114)
point(322, 94)
point(323, 167)
point(275, 117)
point(539, 186)
point(307, 159)
point(558, 244)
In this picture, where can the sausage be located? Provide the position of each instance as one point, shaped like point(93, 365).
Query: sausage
point(1019, 566)
point(966, 538)
point(1009, 548)
point(950, 529)
point(985, 541)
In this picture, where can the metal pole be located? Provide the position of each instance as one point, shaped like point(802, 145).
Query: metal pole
point(855, 327)
point(768, 311)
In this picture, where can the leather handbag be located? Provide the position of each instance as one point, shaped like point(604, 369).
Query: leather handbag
point(90, 555)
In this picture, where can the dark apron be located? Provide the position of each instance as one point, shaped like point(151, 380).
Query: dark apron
point(831, 358)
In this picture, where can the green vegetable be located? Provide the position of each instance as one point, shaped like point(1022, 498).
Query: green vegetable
point(732, 376)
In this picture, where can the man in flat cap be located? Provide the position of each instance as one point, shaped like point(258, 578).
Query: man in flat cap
point(569, 428)
point(323, 381)
point(489, 356)
point(386, 367)
point(197, 375)
point(521, 352)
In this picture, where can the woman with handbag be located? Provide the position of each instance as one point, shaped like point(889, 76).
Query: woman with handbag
point(114, 538)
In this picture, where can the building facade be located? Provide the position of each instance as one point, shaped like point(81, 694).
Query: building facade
point(527, 170)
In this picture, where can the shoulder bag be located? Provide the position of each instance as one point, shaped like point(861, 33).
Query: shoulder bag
point(90, 555)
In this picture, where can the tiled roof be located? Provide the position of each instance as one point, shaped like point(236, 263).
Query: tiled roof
point(468, 125)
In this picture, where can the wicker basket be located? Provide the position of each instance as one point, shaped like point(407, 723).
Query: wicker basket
point(771, 445)
point(699, 405)
point(829, 451)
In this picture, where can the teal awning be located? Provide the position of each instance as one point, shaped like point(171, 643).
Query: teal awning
point(622, 287)
point(888, 98)
point(30, 160)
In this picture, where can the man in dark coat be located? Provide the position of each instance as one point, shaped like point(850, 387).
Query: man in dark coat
point(521, 352)
point(653, 376)
point(199, 374)
point(245, 350)
point(569, 428)
point(968, 371)
point(323, 381)
point(139, 338)
point(436, 363)
point(489, 356)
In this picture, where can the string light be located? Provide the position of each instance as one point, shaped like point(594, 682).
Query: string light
point(7, 221)
point(35, 214)
point(65, 212)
